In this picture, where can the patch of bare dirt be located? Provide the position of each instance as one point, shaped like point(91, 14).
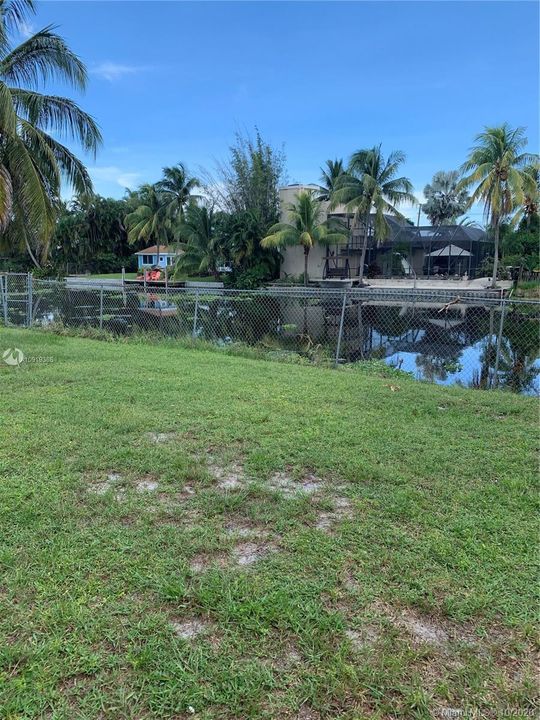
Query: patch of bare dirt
point(307, 713)
point(423, 630)
point(228, 477)
point(203, 561)
point(160, 437)
point(191, 628)
point(172, 500)
point(364, 637)
point(146, 485)
point(350, 583)
point(249, 553)
point(112, 482)
point(287, 486)
point(99, 488)
point(342, 510)
point(245, 530)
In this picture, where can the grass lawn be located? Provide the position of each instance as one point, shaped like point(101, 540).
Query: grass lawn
point(528, 289)
point(190, 534)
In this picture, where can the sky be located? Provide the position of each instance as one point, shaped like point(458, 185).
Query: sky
point(174, 81)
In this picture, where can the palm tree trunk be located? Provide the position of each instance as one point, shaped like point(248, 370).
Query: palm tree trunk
point(305, 300)
point(32, 256)
point(495, 254)
point(364, 249)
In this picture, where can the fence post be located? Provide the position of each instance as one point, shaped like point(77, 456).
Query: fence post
point(101, 308)
point(340, 333)
point(499, 340)
point(30, 297)
point(194, 331)
point(3, 284)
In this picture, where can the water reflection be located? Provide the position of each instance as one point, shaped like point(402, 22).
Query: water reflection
point(466, 345)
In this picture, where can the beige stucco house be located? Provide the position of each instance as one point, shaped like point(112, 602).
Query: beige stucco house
point(293, 257)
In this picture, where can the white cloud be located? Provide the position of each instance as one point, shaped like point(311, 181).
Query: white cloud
point(112, 71)
point(114, 174)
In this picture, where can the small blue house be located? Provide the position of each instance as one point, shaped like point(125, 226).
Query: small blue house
point(148, 257)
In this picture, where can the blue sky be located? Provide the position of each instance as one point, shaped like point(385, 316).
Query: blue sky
point(173, 81)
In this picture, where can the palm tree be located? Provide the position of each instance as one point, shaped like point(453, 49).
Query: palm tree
point(199, 241)
point(496, 167)
point(33, 164)
point(330, 174)
point(306, 228)
point(444, 201)
point(531, 200)
point(176, 189)
point(371, 183)
point(149, 221)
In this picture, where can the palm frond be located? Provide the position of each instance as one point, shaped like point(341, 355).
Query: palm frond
point(8, 116)
point(13, 13)
point(70, 168)
point(51, 112)
point(43, 57)
point(6, 198)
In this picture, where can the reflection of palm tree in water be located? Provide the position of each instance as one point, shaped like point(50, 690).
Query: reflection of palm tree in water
point(482, 380)
point(518, 353)
point(517, 366)
point(437, 367)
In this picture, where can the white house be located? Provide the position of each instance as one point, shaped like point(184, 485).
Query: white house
point(293, 257)
point(149, 258)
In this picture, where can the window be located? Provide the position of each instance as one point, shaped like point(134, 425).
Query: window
point(147, 259)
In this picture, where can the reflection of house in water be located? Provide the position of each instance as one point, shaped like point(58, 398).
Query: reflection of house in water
point(408, 250)
point(381, 328)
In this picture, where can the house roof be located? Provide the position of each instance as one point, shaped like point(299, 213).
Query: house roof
point(448, 251)
point(426, 235)
point(152, 250)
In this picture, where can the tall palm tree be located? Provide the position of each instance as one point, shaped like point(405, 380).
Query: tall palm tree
point(444, 201)
point(199, 241)
point(496, 167)
point(306, 228)
point(371, 183)
point(329, 177)
point(33, 164)
point(149, 221)
point(176, 189)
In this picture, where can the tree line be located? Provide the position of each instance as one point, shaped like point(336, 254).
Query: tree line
point(232, 217)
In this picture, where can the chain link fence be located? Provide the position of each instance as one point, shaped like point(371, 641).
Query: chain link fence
point(481, 342)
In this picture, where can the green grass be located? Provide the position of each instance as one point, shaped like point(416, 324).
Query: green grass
point(419, 596)
point(528, 289)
